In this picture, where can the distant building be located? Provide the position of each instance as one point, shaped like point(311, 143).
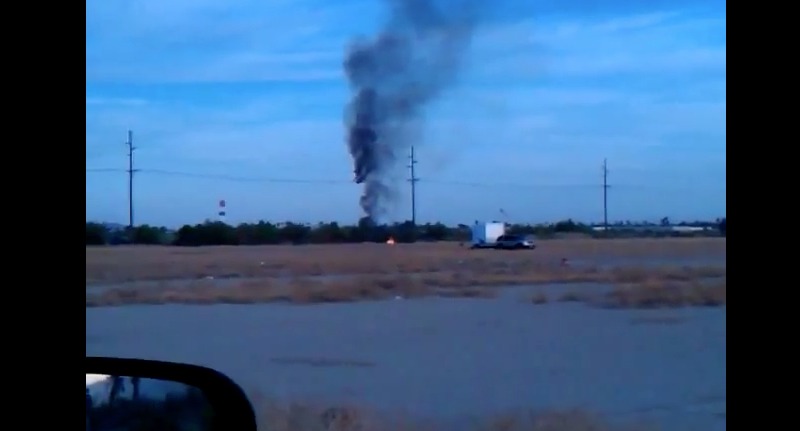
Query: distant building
point(653, 228)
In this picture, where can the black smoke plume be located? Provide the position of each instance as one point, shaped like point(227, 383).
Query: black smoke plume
point(392, 76)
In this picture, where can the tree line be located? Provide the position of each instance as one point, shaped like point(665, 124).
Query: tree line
point(264, 233)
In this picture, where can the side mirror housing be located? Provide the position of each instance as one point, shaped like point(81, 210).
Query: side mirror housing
point(138, 394)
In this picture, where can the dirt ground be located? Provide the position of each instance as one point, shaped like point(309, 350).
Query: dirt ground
point(119, 264)
point(645, 272)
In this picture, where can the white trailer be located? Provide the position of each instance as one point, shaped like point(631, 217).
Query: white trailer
point(486, 234)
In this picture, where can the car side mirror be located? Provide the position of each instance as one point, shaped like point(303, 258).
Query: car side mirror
point(138, 395)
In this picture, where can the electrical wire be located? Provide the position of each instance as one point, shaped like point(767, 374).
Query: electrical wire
point(442, 182)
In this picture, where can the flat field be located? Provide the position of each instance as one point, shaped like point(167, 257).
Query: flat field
point(336, 273)
point(585, 334)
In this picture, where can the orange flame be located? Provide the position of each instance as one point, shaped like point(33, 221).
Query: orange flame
point(390, 241)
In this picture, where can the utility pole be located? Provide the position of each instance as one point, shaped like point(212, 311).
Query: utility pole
point(605, 196)
point(413, 180)
point(130, 178)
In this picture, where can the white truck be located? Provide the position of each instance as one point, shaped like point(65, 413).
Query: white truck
point(484, 235)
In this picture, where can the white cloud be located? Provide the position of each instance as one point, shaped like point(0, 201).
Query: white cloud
point(528, 98)
point(504, 106)
point(104, 101)
point(259, 132)
point(634, 22)
point(297, 66)
point(229, 139)
point(298, 40)
point(532, 32)
point(155, 41)
point(666, 42)
point(618, 62)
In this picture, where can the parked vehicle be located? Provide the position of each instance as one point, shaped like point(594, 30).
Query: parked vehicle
point(484, 235)
point(515, 242)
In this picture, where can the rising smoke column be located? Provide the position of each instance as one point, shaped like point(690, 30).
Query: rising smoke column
point(392, 76)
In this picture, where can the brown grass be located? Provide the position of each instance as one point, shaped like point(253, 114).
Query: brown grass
point(652, 293)
point(571, 297)
point(118, 264)
point(539, 298)
point(323, 362)
point(657, 320)
point(296, 291)
point(308, 290)
point(307, 417)
point(375, 271)
point(667, 294)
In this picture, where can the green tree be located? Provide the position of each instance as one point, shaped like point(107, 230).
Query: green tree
point(96, 234)
point(295, 233)
point(146, 234)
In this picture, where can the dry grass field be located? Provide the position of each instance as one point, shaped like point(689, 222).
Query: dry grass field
point(641, 268)
point(275, 416)
point(633, 273)
point(293, 416)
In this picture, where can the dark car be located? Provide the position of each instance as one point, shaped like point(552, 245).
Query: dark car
point(515, 242)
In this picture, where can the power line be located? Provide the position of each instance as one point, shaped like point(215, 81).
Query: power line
point(243, 179)
point(329, 181)
point(105, 170)
point(508, 185)
point(456, 183)
point(221, 177)
point(413, 180)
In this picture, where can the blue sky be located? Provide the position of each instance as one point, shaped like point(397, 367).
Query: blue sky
point(245, 94)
